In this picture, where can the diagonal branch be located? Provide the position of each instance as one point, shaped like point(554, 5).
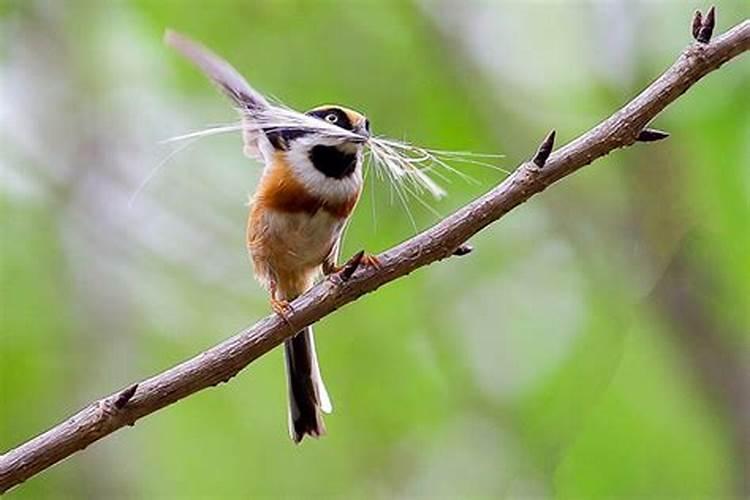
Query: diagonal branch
point(222, 362)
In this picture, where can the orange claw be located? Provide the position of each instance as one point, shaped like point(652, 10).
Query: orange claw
point(370, 260)
point(282, 308)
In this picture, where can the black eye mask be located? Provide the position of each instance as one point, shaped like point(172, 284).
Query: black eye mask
point(342, 120)
point(280, 139)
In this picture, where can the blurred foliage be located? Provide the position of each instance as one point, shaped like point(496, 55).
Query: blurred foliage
point(563, 358)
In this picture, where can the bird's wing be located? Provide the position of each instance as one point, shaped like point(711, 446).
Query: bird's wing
point(246, 99)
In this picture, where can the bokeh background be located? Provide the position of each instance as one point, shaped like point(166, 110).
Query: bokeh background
point(594, 345)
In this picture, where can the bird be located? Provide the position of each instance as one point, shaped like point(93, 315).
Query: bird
point(310, 184)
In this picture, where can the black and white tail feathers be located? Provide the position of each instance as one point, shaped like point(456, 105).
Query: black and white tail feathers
point(307, 394)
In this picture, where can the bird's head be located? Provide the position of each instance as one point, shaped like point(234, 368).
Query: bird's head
point(333, 155)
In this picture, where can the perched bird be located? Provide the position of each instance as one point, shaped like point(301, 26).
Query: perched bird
point(311, 182)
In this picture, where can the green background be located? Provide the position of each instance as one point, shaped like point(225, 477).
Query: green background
point(594, 345)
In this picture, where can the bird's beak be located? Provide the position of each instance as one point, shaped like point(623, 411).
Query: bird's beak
point(361, 131)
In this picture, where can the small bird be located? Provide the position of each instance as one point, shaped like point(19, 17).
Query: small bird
point(311, 182)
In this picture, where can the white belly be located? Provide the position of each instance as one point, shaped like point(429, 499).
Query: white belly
point(300, 240)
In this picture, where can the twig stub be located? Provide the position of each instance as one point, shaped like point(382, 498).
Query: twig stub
point(697, 23)
point(651, 135)
point(124, 397)
point(545, 149)
point(463, 249)
point(707, 26)
point(351, 265)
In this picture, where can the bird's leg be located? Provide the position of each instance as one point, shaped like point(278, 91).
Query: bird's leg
point(279, 306)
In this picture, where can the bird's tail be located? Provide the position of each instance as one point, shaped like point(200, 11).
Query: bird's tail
point(307, 394)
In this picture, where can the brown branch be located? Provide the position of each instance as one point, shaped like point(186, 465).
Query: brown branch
point(222, 362)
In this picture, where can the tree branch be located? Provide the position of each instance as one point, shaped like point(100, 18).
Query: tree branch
point(222, 362)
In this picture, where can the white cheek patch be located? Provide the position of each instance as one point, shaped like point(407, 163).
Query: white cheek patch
point(315, 181)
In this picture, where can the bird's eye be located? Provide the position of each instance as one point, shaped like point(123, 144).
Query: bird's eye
point(332, 118)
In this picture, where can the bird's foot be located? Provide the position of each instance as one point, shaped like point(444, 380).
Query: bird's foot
point(283, 308)
point(341, 274)
point(370, 260)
